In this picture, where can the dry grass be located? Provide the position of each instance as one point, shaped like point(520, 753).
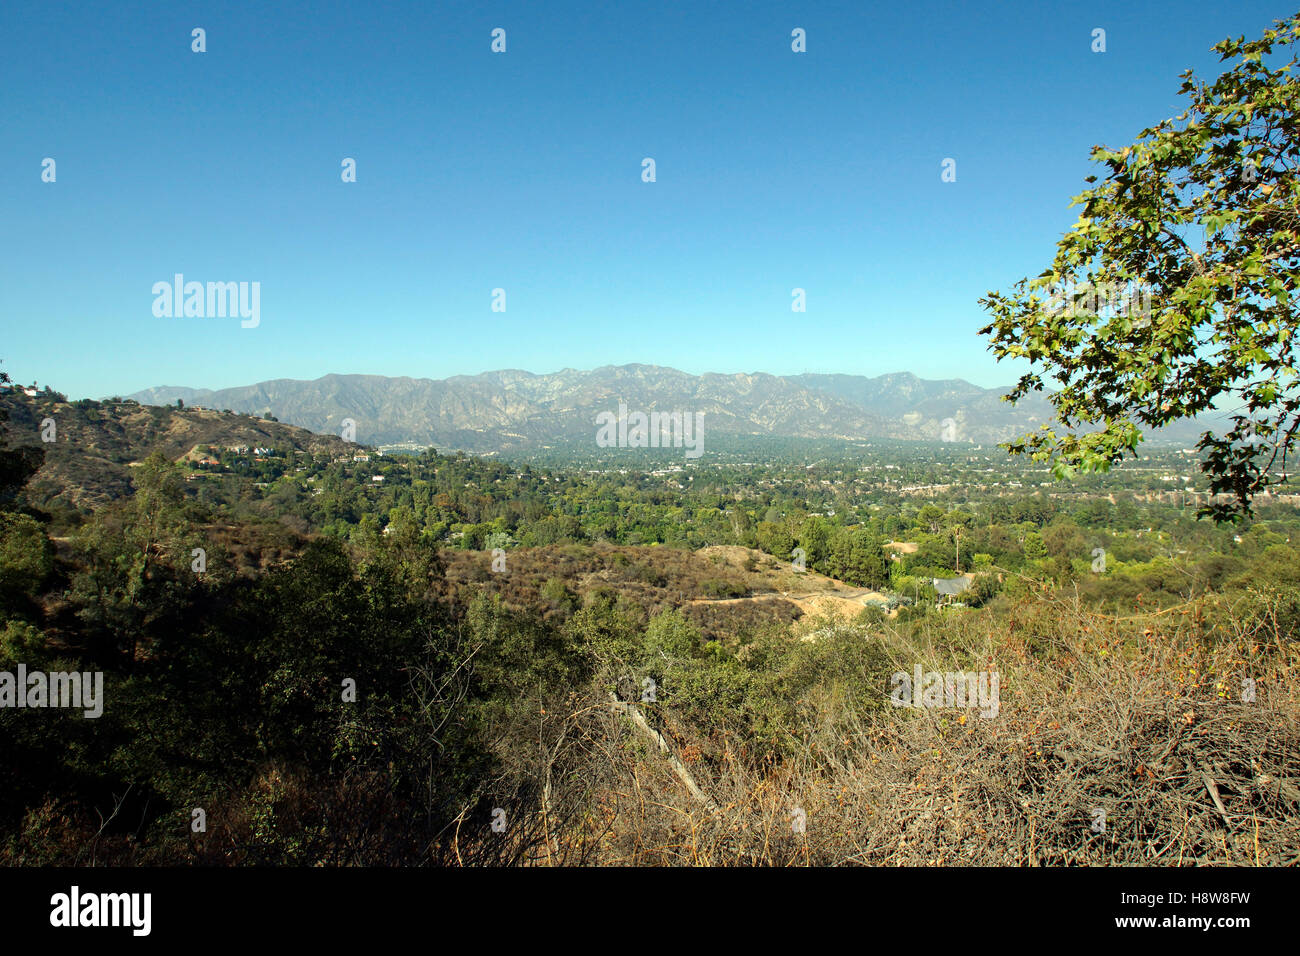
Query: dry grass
point(1139, 717)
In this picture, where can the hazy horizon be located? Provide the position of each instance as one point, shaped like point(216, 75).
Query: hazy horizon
point(490, 371)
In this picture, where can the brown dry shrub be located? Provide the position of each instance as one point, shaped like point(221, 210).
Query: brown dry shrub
point(1141, 717)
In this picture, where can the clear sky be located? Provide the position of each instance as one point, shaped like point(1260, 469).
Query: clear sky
point(523, 171)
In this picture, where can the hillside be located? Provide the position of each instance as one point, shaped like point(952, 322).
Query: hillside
point(724, 590)
point(96, 443)
point(689, 689)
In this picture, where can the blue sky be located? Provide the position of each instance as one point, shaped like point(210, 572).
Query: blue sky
point(522, 171)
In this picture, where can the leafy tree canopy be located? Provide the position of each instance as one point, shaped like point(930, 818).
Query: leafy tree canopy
point(1173, 294)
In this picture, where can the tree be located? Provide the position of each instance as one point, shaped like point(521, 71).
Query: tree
point(670, 635)
point(1173, 293)
point(16, 464)
point(931, 517)
point(867, 565)
point(775, 540)
point(26, 559)
point(982, 590)
point(137, 560)
point(1034, 547)
point(814, 538)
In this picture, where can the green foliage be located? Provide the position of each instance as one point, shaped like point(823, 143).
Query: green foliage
point(26, 559)
point(983, 589)
point(1201, 214)
point(558, 595)
point(605, 632)
point(1035, 547)
point(225, 687)
point(669, 635)
point(721, 589)
point(775, 540)
point(20, 642)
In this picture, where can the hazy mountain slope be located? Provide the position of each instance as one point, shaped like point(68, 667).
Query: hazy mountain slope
point(917, 404)
point(512, 410)
point(892, 395)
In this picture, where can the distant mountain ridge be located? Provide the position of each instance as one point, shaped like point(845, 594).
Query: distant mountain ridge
point(513, 410)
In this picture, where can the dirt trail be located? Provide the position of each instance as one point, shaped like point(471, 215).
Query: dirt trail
point(771, 580)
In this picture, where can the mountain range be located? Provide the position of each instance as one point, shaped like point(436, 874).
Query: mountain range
point(511, 410)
